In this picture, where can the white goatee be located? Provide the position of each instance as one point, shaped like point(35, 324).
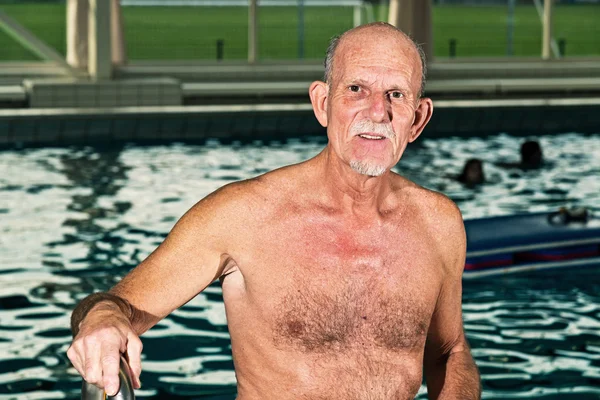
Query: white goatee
point(364, 168)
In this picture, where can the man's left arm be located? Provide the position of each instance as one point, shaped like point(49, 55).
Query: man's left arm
point(450, 371)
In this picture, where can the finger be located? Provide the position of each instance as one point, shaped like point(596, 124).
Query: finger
point(110, 360)
point(134, 356)
point(75, 359)
point(92, 371)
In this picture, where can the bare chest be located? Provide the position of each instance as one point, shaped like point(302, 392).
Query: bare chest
point(351, 292)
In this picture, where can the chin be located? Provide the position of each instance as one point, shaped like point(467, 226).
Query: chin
point(367, 168)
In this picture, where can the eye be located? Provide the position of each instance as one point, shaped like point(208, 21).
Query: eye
point(396, 95)
point(354, 88)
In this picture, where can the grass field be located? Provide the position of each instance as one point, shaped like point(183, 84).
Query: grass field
point(191, 33)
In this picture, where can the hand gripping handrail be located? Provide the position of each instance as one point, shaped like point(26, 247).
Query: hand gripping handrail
point(92, 392)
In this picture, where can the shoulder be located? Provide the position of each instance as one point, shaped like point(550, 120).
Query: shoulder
point(442, 220)
point(245, 199)
point(431, 205)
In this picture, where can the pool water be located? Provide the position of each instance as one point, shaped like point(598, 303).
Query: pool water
point(75, 220)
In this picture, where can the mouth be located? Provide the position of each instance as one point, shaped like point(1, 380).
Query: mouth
point(371, 136)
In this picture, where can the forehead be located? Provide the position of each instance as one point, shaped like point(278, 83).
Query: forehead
point(377, 51)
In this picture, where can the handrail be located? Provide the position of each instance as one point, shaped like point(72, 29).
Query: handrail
point(92, 392)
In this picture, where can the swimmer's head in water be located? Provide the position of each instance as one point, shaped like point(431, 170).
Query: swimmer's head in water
point(531, 154)
point(472, 173)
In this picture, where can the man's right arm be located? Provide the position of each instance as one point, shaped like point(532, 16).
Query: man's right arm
point(191, 257)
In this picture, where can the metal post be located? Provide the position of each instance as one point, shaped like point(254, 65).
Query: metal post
point(510, 29)
point(357, 16)
point(562, 46)
point(118, 48)
point(300, 29)
point(452, 48)
point(547, 30)
point(220, 44)
point(99, 45)
point(77, 33)
point(394, 13)
point(252, 31)
point(414, 18)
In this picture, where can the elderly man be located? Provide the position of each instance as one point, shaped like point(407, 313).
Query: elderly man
point(341, 279)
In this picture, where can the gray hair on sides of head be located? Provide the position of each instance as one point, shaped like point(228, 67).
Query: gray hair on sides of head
point(335, 41)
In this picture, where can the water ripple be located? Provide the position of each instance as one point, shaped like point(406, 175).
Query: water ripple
point(76, 220)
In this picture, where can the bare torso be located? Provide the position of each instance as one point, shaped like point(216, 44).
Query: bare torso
point(341, 279)
point(322, 305)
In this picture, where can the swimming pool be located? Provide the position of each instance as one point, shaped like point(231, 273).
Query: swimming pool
point(76, 219)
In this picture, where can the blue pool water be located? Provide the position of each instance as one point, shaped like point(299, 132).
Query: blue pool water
point(75, 220)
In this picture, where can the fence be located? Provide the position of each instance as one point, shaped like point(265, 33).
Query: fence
point(206, 30)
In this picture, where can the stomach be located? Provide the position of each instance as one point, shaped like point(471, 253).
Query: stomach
point(362, 372)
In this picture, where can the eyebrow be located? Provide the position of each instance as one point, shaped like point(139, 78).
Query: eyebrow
point(359, 81)
point(394, 87)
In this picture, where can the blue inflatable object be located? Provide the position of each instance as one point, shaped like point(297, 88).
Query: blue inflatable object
point(521, 243)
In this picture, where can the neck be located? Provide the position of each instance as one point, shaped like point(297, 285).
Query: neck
point(350, 190)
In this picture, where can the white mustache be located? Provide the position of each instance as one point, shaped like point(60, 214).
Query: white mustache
point(367, 126)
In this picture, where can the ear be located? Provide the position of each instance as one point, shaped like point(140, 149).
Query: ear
point(422, 116)
point(318, 92)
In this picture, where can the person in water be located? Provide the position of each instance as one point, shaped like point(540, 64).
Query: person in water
point(341, 279)
point(472, 173)
point(531, 155)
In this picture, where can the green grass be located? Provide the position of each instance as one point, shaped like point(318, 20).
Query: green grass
point(170, 33)
point(47, 21)
point(482, 31)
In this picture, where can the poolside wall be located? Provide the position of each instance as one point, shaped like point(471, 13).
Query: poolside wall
point(61, 127)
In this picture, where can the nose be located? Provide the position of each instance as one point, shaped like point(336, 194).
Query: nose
point(379, 108)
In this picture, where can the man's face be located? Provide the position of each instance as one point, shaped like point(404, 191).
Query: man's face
point(372, 100)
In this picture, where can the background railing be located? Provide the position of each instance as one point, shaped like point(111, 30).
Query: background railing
point(209, 30)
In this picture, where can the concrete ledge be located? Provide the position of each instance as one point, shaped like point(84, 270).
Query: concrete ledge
point(12, 93)
point(453, 86)
point(69, 93)
point(277, 108)
point(13, 73)
point(216, 89)
point(467, 68)
point(289, 70)
point(60, 93)
point(505, 86)
point(121, 92)
point(157, 111)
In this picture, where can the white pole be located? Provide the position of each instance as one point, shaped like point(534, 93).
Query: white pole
point(118, 48)
point(357, 16)
point(77, 33)
point(99, 45)
point(547, 30)
point(540, 10)
point(252, 31)
point(414, 18)
point(393, 13)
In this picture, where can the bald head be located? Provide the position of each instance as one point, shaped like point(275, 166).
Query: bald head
point(371, 29)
